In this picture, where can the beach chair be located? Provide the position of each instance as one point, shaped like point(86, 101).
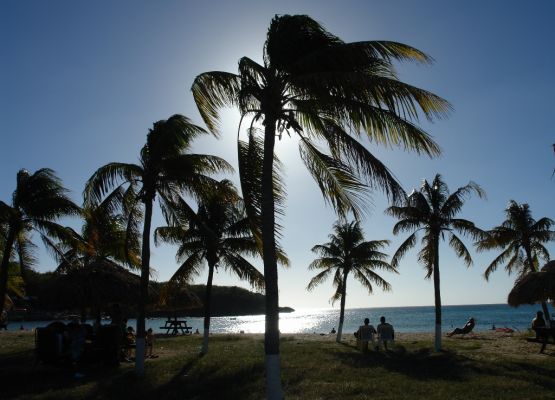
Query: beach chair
point(364, 335)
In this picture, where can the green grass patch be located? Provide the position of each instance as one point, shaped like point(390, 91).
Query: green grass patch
point(313, 368)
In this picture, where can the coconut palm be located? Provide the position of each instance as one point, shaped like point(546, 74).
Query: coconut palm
point(432, 210)
point(107, 234)
point(37, 202)
point(521, 239)
point(221, 241)
point(347, 252)
point(327, 92)
point(166, 168)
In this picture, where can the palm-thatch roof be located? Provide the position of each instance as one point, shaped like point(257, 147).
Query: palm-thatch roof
point(534, 287)
point(98, 284)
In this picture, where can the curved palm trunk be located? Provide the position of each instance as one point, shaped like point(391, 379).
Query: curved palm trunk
point(271, 336)
point(143, 294)
point(207, 309)
point(545, 309)
point(437, 295)
point(342, 312)
point(5, 264)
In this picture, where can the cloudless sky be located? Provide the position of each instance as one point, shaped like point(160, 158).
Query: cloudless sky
point(82, 82)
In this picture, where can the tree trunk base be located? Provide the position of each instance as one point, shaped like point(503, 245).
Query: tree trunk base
point(274, 390)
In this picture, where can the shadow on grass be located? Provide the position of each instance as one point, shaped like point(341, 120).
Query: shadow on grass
point(420, 364)
point(212, 382)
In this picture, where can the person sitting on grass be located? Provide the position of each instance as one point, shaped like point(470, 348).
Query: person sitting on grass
point(385, 333)
point(364, 335)
point(467, 328)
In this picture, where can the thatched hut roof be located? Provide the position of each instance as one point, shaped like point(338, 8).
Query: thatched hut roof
point(100, 283)
point(534, 287)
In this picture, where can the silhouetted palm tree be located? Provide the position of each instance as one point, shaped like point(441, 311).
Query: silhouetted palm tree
point(37, 202)
point(326, 91)
point(432, 210)
point(107, 234)
point(166, 168)
point(347, 253)
point(223, 239)
point(521, 239)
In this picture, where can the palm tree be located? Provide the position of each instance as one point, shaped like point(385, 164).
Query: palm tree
point(107, 238)
point(107, 234)
point(347, 252)
point(327, 92)
point(37, 202)
point(166, 168)
point(521, 239)
point(433, 210)
point(221, 240)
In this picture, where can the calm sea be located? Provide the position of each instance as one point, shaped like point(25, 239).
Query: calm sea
point(404, 319)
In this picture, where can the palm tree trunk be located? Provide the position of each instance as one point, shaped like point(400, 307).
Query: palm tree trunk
point(5, 265)
point(437, 294)
point(143, 294)
point(342, 311)
point(274, 390)
point(207, 309)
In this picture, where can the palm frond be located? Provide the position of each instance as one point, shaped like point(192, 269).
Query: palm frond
point(212, 91)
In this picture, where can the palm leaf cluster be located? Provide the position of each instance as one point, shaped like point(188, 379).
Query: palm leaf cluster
point(328, 92)
point(521, 239)
point(37, 202)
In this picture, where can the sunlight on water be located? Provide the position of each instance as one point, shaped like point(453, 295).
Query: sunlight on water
point(404, 319)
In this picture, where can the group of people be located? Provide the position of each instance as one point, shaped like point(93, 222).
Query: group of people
point(365, 334)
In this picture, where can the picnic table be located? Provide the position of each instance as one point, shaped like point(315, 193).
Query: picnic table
point(543, 336)
point(174, 325)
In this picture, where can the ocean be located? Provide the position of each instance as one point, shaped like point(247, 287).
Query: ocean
point(404, 319)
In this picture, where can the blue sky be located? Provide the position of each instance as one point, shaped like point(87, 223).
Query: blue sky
point(82, 82)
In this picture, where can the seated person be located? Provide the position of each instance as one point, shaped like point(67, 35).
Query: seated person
point(364, 335)
point(538, 322)
point(385, 333)
point(467, 328)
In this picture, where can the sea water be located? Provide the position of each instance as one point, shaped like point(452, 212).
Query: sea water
point(404, 319)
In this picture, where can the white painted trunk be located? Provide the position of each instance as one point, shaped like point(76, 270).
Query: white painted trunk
point(140, 356)
point(438, 337)
point(273, 378)
point(339, 332)
point(204, 349)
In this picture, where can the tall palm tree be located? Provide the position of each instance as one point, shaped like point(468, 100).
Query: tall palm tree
point(347, 252)
point(521, 239)
point(166, 168)
point(37, 202)
point(432, 210)
point(327, 92)
point(221, 239)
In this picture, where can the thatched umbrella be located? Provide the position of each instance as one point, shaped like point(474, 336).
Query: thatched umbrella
point(534, 287)
point(97, 285)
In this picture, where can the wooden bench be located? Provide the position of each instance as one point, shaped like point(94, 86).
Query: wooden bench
point(544, 336)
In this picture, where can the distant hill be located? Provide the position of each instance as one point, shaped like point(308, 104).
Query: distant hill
point(226, 300)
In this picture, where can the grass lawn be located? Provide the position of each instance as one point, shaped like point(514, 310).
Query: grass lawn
point(483, 366)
